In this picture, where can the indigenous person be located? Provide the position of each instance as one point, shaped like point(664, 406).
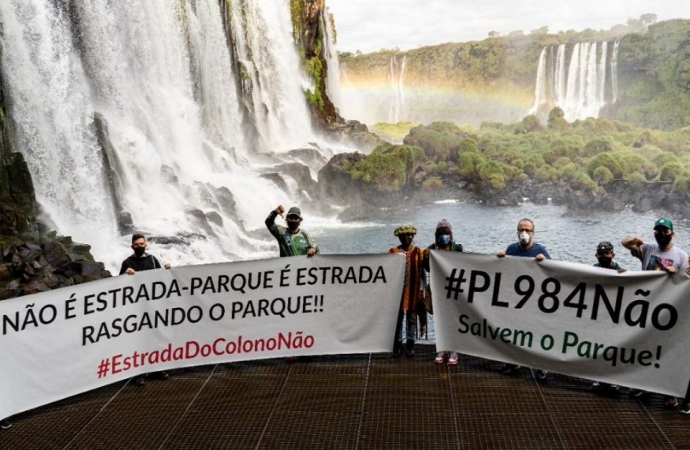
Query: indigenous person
point(292, 240)
point(413, 289)
point(525, 247)
point(660, 256)
point(604, 256)
point(138, 262)
point(443, 241)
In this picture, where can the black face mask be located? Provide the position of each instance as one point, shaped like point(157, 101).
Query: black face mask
point(139, 251)
point(662, 239)
point(604, 261)
point(292, 226)
point(406, 240)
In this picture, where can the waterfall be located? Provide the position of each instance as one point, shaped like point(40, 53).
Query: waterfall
point(614, 73)
point(580, 90)
point(189, 147)
point(397, 71)
point(560, 81)
point(262, 31)
point(540, 86)
point(52, 106)
point(333, 65)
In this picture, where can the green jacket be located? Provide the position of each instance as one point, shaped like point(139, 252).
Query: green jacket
point(289, 244)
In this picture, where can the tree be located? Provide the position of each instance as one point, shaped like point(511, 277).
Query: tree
point(494, 34)
point(648, 19)
point(540, 31)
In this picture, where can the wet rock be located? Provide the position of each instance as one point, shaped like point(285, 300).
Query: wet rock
point(301, 174)
point(34, 287)
point(168, 175)
point(214, 217)
point(309, 156)
point(226, 202)
point(125, 224)
point(277, 179)
point(204, 193)
point(56, 254)
point(198, 218)
point(167, 240)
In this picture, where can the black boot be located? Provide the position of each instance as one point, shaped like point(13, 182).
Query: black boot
point(409, 348)
point(397, 348)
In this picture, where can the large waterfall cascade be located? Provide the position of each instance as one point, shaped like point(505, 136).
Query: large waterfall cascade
point(333, 64)
point(380, 101)
point(397, 72)
point(163, 77)
point(582, 86)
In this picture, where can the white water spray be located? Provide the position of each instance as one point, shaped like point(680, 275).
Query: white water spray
point(581, 89)
point(163, 78)
point(333, 65)
point(397, 72)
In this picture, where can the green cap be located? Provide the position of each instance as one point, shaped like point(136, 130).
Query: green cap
point(664, 222)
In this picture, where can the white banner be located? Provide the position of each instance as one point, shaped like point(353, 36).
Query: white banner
point(630, 329)
point(64, 342)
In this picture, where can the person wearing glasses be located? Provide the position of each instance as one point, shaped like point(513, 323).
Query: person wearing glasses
point(662, 256)
point(526, 247)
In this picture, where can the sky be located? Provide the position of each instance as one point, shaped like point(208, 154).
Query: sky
point(369, 25)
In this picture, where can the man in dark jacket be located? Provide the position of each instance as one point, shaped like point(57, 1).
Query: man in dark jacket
point(140, 260)
point(137, 262)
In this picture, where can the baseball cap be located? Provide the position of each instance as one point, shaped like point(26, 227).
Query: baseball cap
point(664, 222)
point(294, 211)
point(604, 247)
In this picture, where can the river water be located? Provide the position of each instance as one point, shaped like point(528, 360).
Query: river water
point(482, 229)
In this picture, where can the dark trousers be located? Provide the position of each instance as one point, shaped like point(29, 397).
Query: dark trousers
point(411, 323)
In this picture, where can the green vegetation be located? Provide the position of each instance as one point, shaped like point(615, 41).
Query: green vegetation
point(388, 167)
point(653, 69)
point(308, 32)
point(392, 132)
point(587, 155)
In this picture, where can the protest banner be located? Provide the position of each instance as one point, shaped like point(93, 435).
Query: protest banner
point(629, 329)
point(60, 343)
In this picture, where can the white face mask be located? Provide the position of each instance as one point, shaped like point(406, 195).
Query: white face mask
point(524, 238)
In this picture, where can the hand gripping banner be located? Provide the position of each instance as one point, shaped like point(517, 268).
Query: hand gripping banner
point(60, 343)
point(630, 329)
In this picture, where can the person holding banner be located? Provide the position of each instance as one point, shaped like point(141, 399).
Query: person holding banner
point(660, 256)
point(138, 262)
point(604, 256)
point(292, 241)
point(525, 247)
point(443, 241)
point(413, 289)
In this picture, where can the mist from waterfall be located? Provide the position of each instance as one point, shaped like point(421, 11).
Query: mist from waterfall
point(581, 89)
point(162, 76)
point(375, 103)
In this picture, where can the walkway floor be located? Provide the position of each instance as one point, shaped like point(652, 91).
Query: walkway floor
point(354, 402)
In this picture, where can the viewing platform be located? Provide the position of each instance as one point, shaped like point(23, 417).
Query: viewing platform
point(351, 402)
